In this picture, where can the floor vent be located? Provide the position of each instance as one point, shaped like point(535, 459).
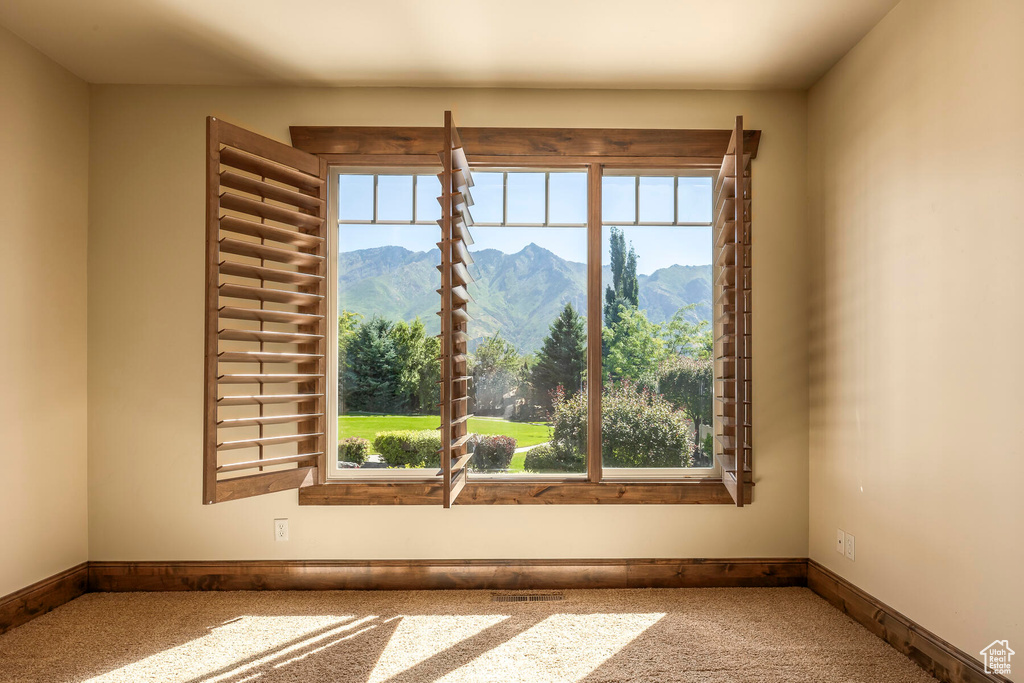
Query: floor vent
point(527, 597)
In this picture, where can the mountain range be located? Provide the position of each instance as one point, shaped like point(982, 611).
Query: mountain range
point(519, 294)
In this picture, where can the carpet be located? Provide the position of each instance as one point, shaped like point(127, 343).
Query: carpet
point(766, 635)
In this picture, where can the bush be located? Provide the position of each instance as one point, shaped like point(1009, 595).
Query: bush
point(353, 449)
point(409, 448)
point(545, 458)
point(639, 428)
point(492, 452)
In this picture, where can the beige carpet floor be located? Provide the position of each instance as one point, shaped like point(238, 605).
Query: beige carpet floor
point(728, 634)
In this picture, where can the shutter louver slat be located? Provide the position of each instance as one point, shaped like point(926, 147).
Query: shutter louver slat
point(732, 307)
point(242, 226)
point(264, 180)
point(291, 277)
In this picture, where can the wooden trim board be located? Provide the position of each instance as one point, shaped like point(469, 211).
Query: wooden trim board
point(592, 144)
point(445, 574)
point(522, 492)
point(41, 597)
point(941, 659)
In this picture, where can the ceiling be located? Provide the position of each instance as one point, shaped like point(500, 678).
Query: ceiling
point(719, 44)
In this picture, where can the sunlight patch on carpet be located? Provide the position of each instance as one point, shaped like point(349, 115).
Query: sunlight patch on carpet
point(237, 646)
point(418, 638)
point(562, 647)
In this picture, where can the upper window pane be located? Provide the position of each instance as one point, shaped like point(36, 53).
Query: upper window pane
point(567, 198)
point(355, 197)
point(428, 189)
point(618, 199)
point(657, 205)
point(695, 200)
point(525, 199)
point(394, 198)
point(489, 198)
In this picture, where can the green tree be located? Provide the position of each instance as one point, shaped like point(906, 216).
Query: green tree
point(625, 287)
point(562, 360)
point(686, 337)
point(635, 348)
point(374, 372)
point(495, 369)
point(418, 364)
point(428, 392)
point(348, 323)
point(686, 382)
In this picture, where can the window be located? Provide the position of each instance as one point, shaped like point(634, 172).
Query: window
point(657, 346)
point(527, 341)
point(594, 330)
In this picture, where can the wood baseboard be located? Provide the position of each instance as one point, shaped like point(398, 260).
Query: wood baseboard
point(445, 574)
point(941, 659)
point(41, 597)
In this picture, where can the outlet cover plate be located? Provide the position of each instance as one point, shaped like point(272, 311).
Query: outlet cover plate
point(281, 529)
point(851, 548)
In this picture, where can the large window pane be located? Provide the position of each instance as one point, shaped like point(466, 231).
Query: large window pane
point(528, 350)
point(656, 351)
point(387, 367)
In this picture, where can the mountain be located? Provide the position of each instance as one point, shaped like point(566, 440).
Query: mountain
point(518, 294)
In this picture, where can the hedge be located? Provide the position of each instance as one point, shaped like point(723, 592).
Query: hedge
point(353, 449)
point(409, 448)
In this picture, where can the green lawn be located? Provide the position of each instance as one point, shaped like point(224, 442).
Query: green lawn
point(367, 426)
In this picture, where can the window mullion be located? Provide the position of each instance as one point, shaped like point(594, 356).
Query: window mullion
point(594, 323)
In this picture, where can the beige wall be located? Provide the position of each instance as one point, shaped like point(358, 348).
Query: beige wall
point(146, 338)
point(917, 416)
point(44, 158)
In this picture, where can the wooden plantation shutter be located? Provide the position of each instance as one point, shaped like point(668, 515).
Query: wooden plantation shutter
point(732, 251)
point(455, 220)
point(265, 315)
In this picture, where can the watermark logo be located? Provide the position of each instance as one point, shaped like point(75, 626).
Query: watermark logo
point(997, 657)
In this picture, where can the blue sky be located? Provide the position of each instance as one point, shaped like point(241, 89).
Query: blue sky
point(656, 246)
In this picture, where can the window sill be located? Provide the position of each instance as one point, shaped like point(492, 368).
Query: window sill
point(523, 492)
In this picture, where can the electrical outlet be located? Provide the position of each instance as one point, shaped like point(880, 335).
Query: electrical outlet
point(851, 549)
point(840, 541)
point(281, 529)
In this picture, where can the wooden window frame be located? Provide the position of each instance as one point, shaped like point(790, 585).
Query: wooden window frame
point(593, 150)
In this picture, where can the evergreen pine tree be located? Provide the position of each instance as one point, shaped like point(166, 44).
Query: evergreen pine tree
point(563, 358)
point(375, 369)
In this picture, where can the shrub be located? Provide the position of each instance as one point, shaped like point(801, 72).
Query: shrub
point(427, 445)
point(545, 458)
point(492, 452)
point(409, 448)
point(353, 449)
point(639, 428)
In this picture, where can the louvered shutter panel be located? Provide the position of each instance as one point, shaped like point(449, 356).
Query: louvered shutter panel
point(732, 311)
point(265, 316)
point(455, 200)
